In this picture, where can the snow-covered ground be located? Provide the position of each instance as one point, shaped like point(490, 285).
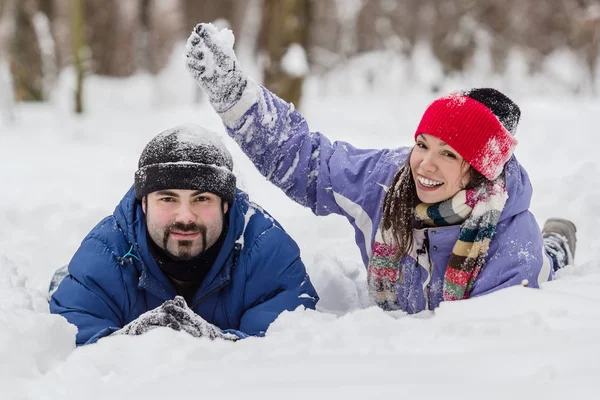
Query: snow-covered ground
point(61, 174)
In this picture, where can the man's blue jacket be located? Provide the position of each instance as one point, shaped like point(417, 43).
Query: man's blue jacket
point(113, 278)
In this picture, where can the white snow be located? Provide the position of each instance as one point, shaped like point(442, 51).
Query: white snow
point(61, 174)
point(220, 168)
point(295, 62)
point(197, 135)
point(457, 98)
point(226, 36)
point(292, 167)
point(249, 213)
point(223, 37)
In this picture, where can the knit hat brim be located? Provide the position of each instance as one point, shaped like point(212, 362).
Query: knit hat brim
point(185, 176)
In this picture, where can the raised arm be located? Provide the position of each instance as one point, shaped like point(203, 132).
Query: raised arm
point(327, 177)
point(275, 136)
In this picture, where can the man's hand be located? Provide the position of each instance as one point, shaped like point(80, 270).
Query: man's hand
point(149, 320)
point(191, 322)
point(174, 314)
point(212, 63)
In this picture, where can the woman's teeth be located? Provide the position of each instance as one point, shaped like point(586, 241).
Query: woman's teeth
point(428, 182)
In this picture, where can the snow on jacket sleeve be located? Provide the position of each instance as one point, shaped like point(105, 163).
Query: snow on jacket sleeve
point(306, 165)
point(91, 297)
point(516, 256)
point(276, 281)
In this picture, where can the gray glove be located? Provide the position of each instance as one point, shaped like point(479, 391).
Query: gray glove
point(176, 315)
point(212, 63)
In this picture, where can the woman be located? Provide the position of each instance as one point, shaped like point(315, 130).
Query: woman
point(447, 219)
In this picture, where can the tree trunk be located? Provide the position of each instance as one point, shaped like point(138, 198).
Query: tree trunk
point(111, 28)
point(78, 44)
point(159, 29)
point(7, 17)
point(25, 55)
point(285, 23)
point(47, 45)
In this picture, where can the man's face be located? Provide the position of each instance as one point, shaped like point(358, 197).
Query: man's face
point(184, 222)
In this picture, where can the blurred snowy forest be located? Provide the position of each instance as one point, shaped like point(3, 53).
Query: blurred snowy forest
point(119, 38)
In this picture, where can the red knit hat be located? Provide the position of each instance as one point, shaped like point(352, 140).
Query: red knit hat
point(478, 124)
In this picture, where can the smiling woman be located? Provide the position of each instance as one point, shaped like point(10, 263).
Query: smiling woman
point(438, 170)
point(447, 219)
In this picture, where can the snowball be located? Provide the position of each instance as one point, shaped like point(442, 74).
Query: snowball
point(223, 38)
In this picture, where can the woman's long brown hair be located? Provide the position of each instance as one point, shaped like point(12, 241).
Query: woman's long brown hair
point(399, 206)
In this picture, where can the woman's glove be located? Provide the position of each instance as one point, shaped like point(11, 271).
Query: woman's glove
point(213, 64)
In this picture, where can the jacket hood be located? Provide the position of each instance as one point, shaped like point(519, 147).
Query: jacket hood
point(519, 189)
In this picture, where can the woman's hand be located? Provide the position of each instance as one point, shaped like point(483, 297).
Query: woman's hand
point(213, 64)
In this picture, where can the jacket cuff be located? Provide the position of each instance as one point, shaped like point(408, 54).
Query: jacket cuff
point(103, 333)
point(250, 96)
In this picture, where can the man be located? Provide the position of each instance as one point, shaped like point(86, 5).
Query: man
point(184, 249)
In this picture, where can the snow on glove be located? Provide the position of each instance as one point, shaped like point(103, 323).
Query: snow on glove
point(213, 64)
point(191, 322)
point(149, 320)
point(174, 314)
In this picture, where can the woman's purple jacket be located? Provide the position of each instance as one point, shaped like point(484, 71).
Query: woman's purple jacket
point(339, 178)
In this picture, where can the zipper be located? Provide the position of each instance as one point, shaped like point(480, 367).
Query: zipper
point(236, 252)
point(157, 288)
point(424, 251)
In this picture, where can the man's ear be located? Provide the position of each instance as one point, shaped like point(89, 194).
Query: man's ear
point(225, 206)
point(144, 203)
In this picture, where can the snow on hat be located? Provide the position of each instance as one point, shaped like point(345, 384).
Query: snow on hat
point(479, 124)
point(186, 157)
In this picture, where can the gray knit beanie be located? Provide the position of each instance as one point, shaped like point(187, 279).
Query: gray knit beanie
point(186, 157)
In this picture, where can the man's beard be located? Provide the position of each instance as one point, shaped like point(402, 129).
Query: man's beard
point(184, 246)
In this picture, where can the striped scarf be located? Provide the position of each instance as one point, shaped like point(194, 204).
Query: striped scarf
point(477, 210)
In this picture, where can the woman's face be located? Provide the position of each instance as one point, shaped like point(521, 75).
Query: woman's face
point(438, 170)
